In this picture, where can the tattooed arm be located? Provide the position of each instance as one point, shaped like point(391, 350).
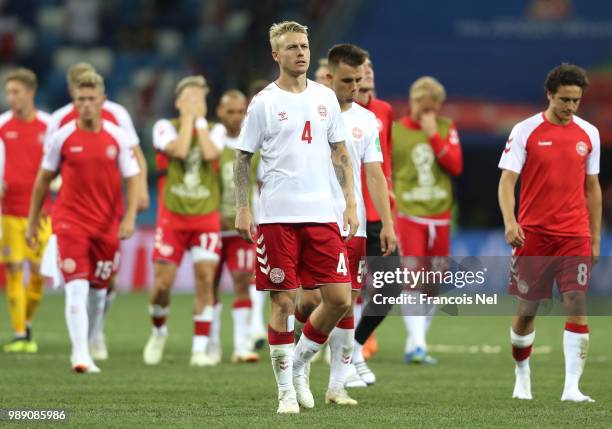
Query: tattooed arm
point(244, 219)
point(341, 161)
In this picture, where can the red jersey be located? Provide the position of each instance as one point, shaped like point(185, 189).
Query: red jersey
point(553, 161)
point(92, 165)
point(23, 146)
point(384, 116)
point(111, 111)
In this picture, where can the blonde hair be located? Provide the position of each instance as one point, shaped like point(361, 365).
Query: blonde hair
point(90, 79)
point(427, 86)
point(323, 62)
point(280, 28)
point(196, 80)
point(75, 71)
point(23, 75)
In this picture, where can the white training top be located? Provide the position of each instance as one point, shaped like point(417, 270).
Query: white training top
point(364, 147)
point(293, 133)
point(164, 133)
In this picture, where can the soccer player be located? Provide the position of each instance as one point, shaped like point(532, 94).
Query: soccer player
point(365, 340)
point(556, 155)
point(92, 155)
point(426, 156)
point(345, 74)
point(188, 218)
point(297, 126)
point(119, 116)
point(22, 129)
point(237, 253)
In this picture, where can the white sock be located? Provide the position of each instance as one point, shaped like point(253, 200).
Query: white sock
point(522, 341)
point(415, 321)
point(304, 351)
point(95, 311)
point(215, 326)
point(110, 298)
point(341, 348)
point(108, 302)
point(240, 317)
point(258, 299)
point(357, 352)
point(159, 311)
point(416, 327)
point(430, 311)
point(282, 365)
point(357, 311)
point(575, 347)
point(76, 318)
point(204, 319)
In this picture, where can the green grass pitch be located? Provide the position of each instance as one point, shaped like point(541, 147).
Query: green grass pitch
point(470, 387)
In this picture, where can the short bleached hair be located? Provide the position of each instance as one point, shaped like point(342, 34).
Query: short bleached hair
point(280, 28)
point(24, 76)
point(90, 79)
point(427, 86)
point(197, 80)
point(75, 71)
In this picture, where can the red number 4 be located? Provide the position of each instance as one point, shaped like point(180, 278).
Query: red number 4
point(306, 134)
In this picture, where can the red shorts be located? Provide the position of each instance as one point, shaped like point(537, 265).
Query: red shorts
point(238, 254)
point(357, 252)
point(94, 259)
point(424, 245)
point(544, 259)
point(314, 250)
point(422, 239)
point(171, 244)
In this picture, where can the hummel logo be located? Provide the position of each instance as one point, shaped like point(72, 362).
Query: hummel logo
point(76, 149)
point(549, 143)
point(282, 116)
point(283, 365)
point(508, 147)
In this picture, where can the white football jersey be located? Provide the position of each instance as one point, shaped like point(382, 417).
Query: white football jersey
point(293, 133)
point(364, 147)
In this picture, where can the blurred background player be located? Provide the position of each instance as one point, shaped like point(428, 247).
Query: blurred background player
point(236, 253)
point(365, 339)
point(189, 218)
point(556, 154)
point(322, 71)
point(426, 157)
point(297, 221)
point(119, 116)
point(92, 155)
point(22, 130)
point(345, 74)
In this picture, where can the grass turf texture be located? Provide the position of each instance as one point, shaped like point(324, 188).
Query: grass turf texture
point(464, 390)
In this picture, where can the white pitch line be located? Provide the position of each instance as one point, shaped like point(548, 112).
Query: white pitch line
point(479, 348)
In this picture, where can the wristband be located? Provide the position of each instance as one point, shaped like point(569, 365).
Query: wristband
point(201, 124)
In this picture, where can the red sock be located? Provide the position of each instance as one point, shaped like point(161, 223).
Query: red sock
point(521, 353)
point(276, 338)
point(347, 322)
point(158, 321)
point(242, 303)
point(578, 329)
point(312, 334)
point(201, 328)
